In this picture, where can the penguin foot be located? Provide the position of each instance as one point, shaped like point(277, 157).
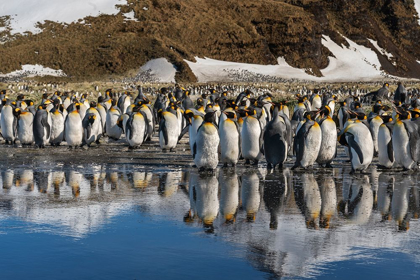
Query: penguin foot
point(172, 150)
point(195, 166)
point(328, 165)
point(201, 169)
point(352, 171)
point(97, 142)
point(7, 142)
point(247, 162)
point(233, 164)
point(295, 166)
point(225, 165)
point(255, 162)
point(269, 166)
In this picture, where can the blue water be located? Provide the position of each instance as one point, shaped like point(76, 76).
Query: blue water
point(132, 246)
point(102, 222)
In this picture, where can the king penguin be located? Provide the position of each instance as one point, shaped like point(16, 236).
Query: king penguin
point(42, 126)
point(276, 141)
point(205, 150)
point(358, 138)
point(307, 142)
point(92, 129)
point(230, 138)
point(385, 151)
point(8, 123)
point(57, 125)
point(328, 148)
point(24, 127)
point(252, 138)
point(136, 128)
point(112, 129)
point(73, 128)
point(168, 129)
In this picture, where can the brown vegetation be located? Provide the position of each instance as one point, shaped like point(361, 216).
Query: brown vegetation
point(254, 31)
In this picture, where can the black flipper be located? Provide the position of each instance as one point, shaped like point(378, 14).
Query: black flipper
point(162, 127)
point(129, 127)
point(353, 145)
point(88, 131)
point(390, 151)
point(194, 150)
point(239, 139)
point(46, 125)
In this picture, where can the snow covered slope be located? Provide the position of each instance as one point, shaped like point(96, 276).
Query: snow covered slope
point(353, 63)
point(25, 14)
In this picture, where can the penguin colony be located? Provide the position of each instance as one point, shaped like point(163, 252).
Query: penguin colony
point(227, 129)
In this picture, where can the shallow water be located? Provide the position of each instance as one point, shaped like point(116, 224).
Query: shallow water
point(122, 221)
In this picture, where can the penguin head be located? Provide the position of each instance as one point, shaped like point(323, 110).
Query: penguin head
point(100, 99)
point(224, 93)
point(414, 114)
point(357, 105)
point(42, 107)
point(210, 117)
point(77, 106)
point(45, 96)
point(402, 114)
point(20, 97)
point(200, 101)
point(324, 111)
point(108, 92)
point(230, 115)
point(310, 115)
point(209, 108)
point(17, 112)
point(92, 104)
point(386, 118)
point(113, 102)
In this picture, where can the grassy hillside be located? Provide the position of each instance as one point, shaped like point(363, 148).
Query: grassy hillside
point(253, 31)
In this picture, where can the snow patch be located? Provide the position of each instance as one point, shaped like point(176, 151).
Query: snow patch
point(161, 69)
point(381, 50)
point(25, 14)
point(130, 16)
point(353, 63)
point(29, 70)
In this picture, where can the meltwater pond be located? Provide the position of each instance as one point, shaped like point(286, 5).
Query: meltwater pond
point(122, 221)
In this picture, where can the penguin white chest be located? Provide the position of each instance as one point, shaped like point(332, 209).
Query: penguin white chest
point(207, 143)
point(229, 142)
point(74, 129)
point(401, 146)
point(250, 135)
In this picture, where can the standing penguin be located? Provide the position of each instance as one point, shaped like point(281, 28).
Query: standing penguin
point(102, 111)
point(230, 138)
point(195, 119)
point(252, 138)
point(328, 148)
point(8, 123)
point(124, 102)
point(374, 125)
point(42, 126)
point(92, 129)
point(405, 141)
point(112, 129)
point(24, 127)
point(276, 141)
point(73, 128)
point(205, 150)
point(385, 151)
point(307, 142)
point(57, 125)
point(168, 129)
point(357, 137)
point(136, 128)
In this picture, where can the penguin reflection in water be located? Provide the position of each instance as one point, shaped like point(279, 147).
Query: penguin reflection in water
point(205, 149)
point(275, 196)
point(204, 198)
